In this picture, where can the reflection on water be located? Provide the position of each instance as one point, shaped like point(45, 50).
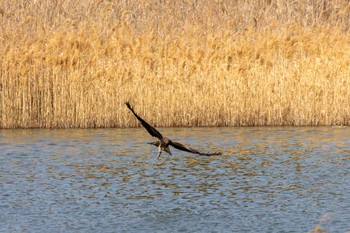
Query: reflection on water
point(108, 180)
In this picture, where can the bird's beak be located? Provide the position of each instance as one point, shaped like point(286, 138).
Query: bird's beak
point(156, 143)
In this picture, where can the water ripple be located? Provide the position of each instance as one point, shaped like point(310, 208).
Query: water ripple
point(108, 180)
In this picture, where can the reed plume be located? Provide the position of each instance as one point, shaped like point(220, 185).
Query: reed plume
point(211, 63)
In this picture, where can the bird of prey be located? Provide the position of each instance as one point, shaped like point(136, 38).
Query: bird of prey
point(163, 143)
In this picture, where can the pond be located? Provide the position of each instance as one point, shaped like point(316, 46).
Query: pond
point(278, 179)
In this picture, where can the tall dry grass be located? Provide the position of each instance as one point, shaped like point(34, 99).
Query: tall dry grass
point(181, 63)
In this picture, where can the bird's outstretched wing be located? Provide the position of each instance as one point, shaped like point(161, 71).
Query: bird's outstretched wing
point(151, 130)
point(180, 146)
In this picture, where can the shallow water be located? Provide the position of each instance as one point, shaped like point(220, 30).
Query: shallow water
point(109, 180)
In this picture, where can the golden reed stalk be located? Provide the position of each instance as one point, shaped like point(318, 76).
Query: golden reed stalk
point(180, 63)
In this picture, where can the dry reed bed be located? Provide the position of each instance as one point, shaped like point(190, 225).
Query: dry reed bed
point(188, 63)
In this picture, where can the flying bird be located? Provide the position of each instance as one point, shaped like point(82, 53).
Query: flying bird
point(163, 143)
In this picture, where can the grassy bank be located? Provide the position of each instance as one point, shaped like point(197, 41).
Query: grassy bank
point(180, 63)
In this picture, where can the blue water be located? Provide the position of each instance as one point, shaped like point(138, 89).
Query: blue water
point(109, 180)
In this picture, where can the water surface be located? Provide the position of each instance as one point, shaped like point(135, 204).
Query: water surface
point(109, 180)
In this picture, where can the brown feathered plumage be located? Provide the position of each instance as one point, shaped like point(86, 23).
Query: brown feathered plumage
point(163, 143)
